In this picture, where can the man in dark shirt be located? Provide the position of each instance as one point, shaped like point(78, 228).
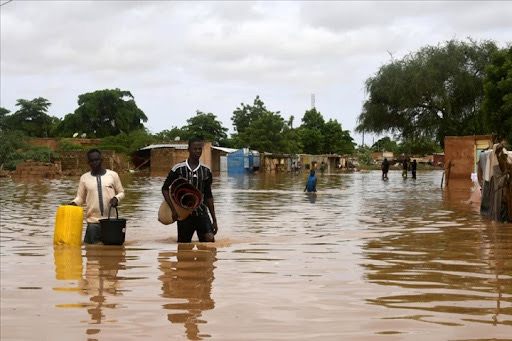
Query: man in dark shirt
point(413, 168)
point(199, 175)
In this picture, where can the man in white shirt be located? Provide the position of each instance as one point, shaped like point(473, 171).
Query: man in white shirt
point(98, 189)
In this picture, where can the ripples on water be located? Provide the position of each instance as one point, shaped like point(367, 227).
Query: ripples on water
point(362, 259)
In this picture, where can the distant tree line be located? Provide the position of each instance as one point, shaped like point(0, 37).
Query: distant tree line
point(455, 88)
point(113, 116)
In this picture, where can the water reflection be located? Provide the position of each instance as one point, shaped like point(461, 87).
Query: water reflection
point(187, 280)
point(311, 197)
point(430, 260)
point(99, 281)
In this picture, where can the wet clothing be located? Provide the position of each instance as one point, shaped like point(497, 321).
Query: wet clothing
point(92, 233)
point(413, 169)
point(200, 224)
point(311, 183)
point(199, 221)
point(404, 171)
point(385, 166)
point(96, 191)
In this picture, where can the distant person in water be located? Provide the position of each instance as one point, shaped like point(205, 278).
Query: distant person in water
point(98, 189)
point(413, 168)
point(404, 171)
point(385, 169)
point(311, 183)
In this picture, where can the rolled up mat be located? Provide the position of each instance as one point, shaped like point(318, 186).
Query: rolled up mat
point(185, 198)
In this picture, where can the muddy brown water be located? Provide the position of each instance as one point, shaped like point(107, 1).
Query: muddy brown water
point(364, 259)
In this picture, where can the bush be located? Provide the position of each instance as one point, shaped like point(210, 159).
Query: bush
point(66, 145)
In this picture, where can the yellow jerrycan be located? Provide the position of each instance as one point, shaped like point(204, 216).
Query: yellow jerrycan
point(68, 225)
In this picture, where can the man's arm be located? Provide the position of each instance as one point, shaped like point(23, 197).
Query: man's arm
point(80, 195)
point(208, 197)
point(211, 208)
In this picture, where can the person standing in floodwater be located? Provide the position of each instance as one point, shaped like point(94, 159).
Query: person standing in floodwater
point(199, 175)
point(98, 189)
point(404, 171)
point(414, 165)
point(311, 183)
point(385, 169)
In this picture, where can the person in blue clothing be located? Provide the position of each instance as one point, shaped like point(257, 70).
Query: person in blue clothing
point(311, 183)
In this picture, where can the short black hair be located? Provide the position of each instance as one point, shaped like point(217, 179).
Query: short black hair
point(94, 150)
point(194, 140)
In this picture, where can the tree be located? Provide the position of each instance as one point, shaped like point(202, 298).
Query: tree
point(127, 143)
point(320, 137)
point(206, 127)
point(336, 140)
point(171, 135)
point(435, 92)
point(310, 132)
point(268, 133)
point(3, 114)
point(385, 144)
point(104, 113)
point(419, 146)
point(364, 155)
point(31, 118)
point(244, 116)
point(497, 104)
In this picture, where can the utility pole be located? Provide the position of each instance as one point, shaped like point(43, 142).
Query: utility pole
point(312, 101)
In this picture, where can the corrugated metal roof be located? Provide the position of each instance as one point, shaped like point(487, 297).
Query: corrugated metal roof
point(167, 145)
point(225, 149)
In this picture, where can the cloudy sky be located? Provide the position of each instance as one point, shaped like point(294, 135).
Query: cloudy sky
point(179, 57)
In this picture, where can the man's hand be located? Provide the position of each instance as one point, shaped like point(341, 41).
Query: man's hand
point(114, 202)
point(215, 227)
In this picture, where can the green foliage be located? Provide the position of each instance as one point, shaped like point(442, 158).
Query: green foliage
point(67, 145)
point(310, 132)
point(364, 155)
point(14, 149)
point(264, 134)
point(127, 143)
point(385, 144)
point(31, 118)
point(263, 130)
point(171, 135)
point(10, 143)
point(320, 137)
point(3, 114)
point(206, 127)
point(103, 113)
point(419, 146)
point(497, 105)
point(41, 154)
point(336, 140)
point(243, 116)
point(436, 91)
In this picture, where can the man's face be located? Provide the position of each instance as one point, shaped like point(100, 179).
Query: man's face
point(95, 161)
point(195, 150)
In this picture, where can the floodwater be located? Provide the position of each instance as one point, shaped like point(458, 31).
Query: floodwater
point(364, 259)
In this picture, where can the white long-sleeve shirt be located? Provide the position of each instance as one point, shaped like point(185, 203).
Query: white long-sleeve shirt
point(96, 191)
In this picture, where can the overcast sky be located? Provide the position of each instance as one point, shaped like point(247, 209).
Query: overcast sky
point(179, 57)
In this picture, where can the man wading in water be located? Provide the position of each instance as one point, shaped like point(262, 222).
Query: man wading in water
point(199, 175)
point(98, 188)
